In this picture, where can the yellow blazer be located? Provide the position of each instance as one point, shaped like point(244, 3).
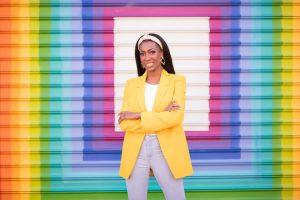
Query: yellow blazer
point(167, 125)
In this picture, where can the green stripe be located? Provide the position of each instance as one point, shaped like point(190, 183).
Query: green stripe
point(44, 105)
point(204, 195)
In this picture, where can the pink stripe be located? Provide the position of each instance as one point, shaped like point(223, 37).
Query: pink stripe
point(109, 65)
point(153, 11)
point(165, 11)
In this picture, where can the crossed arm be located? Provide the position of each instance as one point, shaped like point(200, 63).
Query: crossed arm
point(147, 122)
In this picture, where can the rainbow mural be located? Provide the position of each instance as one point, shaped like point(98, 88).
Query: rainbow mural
point(57, 128)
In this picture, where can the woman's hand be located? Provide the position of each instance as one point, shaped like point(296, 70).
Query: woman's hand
point(128, 115)
point(173, 105)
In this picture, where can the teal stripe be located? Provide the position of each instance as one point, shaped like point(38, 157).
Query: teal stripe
point(277, 104)
point(56, 105)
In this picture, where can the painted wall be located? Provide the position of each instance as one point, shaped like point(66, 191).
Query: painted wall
point(63, 68)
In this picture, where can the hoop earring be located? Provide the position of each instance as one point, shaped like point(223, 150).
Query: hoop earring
point(162, 61)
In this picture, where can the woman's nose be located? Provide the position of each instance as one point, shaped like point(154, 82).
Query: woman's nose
point(147, 56)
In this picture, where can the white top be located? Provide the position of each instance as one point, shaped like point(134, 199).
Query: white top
point(150, 94)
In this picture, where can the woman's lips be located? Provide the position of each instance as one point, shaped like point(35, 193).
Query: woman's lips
point(149, 64)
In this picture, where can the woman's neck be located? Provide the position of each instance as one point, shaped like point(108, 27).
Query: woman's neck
point(154, 77)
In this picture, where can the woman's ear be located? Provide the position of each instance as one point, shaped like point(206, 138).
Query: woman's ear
point(161, 53)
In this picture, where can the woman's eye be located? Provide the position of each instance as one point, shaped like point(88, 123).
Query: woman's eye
point(152, 52)
point(141, 53)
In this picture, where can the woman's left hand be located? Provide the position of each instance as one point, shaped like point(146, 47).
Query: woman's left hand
point(173, 105)
point(128, 115)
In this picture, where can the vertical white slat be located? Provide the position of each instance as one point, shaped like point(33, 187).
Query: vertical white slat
point(188, 40)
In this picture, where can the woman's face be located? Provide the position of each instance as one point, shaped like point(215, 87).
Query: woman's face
point(150, 55)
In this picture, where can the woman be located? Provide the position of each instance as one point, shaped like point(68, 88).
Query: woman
point(151, 116)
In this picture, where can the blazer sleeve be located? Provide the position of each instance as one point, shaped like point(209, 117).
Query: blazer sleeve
point(157, 121)
point(129, 125)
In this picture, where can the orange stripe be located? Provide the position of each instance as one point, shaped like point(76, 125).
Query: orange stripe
point(5, 93)
point(16, 118)
point(296, 102)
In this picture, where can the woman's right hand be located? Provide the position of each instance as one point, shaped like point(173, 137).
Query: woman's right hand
point(173, 105)
point(128, 115)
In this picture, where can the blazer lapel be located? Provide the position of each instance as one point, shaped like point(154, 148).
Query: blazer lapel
point(163, 86)
point(140, 93)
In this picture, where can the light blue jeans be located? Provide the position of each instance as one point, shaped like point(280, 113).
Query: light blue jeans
point(150, 156)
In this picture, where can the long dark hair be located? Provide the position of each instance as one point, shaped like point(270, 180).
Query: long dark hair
point(168, 66)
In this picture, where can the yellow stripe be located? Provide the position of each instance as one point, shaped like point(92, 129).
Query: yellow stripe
point(34, 105)
point(295, 103)
point(25, 174)
point(285, 116)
